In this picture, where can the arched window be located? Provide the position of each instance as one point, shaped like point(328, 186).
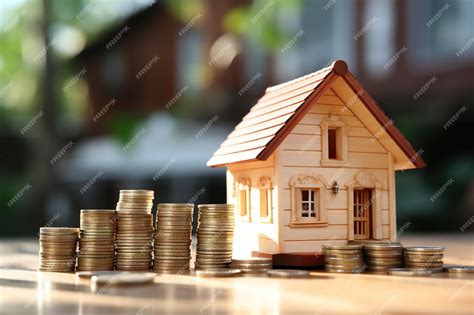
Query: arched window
point(308, 200)
point(266, 206)
point(243, 198)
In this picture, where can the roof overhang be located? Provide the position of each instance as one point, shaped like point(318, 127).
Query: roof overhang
point(360, 102)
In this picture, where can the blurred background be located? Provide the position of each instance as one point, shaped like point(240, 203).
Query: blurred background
point(101, 95)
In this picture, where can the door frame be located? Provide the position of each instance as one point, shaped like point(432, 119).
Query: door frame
point(365, 179)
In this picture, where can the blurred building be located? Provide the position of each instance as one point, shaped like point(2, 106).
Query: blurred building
point(189, 80)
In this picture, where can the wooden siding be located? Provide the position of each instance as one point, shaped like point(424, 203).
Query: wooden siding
point(300, 153)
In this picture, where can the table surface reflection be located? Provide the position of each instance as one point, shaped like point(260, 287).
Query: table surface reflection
point(23, 290)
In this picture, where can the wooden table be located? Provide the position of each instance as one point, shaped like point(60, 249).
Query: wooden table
point(23, 290)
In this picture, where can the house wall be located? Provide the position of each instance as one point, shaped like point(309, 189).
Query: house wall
point(255, 234)
point(301, 153)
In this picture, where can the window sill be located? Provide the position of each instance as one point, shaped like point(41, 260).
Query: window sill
point(266, 220)
point(244, 219)
point(335, 163)
point(309, 224)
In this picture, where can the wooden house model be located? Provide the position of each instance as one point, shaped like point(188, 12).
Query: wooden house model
point(313, 163)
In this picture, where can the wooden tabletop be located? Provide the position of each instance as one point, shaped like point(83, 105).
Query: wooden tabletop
point(24, 290)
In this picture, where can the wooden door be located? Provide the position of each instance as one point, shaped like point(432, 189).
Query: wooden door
point(363, 214)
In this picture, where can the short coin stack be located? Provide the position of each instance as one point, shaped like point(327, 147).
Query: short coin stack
point(97, 240)
point(215, 236)
point(427, 257)
point(134, 239)
point(255, 265)
point(58, 248)
point(174, 224)
point(343, 258)
point(380, 257)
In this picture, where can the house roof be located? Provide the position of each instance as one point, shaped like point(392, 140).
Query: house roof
point(283, 106)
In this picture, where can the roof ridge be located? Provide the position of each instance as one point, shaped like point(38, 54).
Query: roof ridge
point(281, 85)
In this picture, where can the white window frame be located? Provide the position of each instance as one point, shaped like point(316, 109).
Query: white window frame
point(333, 122)
point(312, 200)
point(265, 184)
point(308, 182)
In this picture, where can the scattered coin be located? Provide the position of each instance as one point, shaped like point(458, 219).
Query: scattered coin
point(409, 272)
point(90, 274)
point(124, 278)
point(218, 273)
point(288, 273)
point(459, 269)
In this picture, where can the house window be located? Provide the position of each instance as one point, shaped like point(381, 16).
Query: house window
point(308, 203)
point(243, 202)
point(243, 198)
point(332, 143)
point(265, 187)
point(308, 200)
point(263, 203)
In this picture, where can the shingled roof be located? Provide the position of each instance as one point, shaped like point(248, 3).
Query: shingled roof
point(283, 106)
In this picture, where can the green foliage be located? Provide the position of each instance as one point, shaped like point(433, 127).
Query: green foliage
point(124, 126)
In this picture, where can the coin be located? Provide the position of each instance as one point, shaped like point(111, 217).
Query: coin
point(459, 269)
point(134, 240)
point(173, 237)
point(425, 249)
point(218, 273)
point(288, 273)
point(409, 272)
point(342, 252)
point(124, 278)
point(342, 247)
point(58, 249)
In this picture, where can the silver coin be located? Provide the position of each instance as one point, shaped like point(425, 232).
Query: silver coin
point(409, 272)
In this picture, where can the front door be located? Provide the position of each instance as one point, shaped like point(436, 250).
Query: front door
point(363, 214)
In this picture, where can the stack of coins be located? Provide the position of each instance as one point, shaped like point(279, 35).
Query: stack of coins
point(134, 238)
point(381, 257)
point(429, 257)
point(58, 248)
point(254, 265)
point(344, 258)
point(97, 240)
point(215, 236)
point(174, 224)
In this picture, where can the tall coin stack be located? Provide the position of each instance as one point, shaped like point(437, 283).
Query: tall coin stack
point(174, 224)
point(58, 248)
point(215, 236)
point(380, 257)
point(426, 257)
point(254, 265)
point(134, 238)
point(344, 258)
point(97, 240)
